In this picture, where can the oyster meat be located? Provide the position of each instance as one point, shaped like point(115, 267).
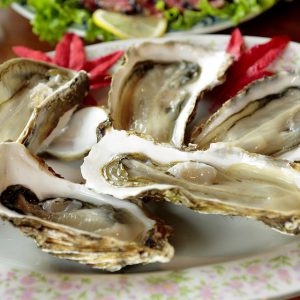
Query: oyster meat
point(220, 180)
point(264, 118)
point(155, 92)
point(36, 100)
point(70, 221)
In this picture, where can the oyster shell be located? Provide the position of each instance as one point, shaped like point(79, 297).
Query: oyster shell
point(264, 118)
point(292, 155)
point(221, 180)
point(70, 221)
point(156, 90)
point(80, 134)
point(36, 100)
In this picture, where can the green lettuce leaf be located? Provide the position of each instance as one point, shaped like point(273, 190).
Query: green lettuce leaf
point(234, 11)
point(4, 3)
point(54, 17)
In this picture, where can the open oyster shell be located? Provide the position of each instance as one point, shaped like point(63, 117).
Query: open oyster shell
point(221, 180)
point(70, 221)
point(36, 100)
point(263, 118)
point(156, 90)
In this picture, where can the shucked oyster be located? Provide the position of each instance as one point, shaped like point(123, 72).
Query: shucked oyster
point(36, 100)
point(70, 221)
point(156, 90)
point(221, 180)
point(264, 118)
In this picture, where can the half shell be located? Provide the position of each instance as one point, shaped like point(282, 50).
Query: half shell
point(36, 100)
point(264, 118)
point(156, 90)
point(70, 221)
point(220, 180)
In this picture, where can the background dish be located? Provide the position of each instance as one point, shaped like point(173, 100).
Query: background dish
point(216, 257)
point(208, 25)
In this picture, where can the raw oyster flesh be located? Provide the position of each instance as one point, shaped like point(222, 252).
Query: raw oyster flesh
point(221, 180)
point(36, 100)
point(70, 221)
point(155, 92)
point(264, 118)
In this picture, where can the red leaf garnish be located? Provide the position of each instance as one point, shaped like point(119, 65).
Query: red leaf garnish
point(219, 94)
point(105, 65)
point(89, 100)
point(99, 77)
point(248, 67)
point(77, 55)
point(29, 53)
point(236, 44)
point(100, 84)
point(102, 80)
point(114, 56)
point(62, 51)
point(248, 79)
point(269, 52)
point(69, 53)
point(260, 56)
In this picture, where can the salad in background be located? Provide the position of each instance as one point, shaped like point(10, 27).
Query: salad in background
point(109, 19)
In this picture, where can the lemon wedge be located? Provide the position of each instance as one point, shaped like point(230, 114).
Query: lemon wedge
point(125, 26)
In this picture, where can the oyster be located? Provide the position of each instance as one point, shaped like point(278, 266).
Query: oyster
point(36, 100)
point(80, 134)
point(221, 180)
point(156, 90)
point(70, 221)
point(264, 118)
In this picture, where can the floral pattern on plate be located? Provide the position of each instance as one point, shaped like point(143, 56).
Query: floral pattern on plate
point(263, 276)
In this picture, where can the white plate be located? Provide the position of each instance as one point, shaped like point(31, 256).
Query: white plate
point(216, 257)
point(207, 25)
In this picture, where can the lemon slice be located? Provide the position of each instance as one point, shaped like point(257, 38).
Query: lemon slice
point(125, 27)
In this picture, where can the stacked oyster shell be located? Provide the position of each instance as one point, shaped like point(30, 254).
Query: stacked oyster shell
point(144, 145)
